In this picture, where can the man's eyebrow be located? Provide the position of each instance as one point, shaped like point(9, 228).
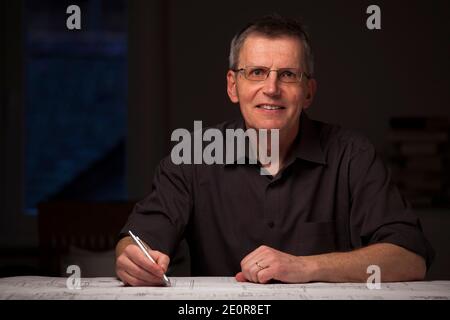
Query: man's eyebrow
point(258, 65)
point(254, 65)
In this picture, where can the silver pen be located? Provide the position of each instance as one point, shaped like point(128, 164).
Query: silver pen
point(142, 246)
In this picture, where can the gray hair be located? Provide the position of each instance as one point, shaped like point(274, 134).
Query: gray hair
point(273, 26)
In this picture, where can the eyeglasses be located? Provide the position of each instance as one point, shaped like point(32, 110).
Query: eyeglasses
point(286, 75)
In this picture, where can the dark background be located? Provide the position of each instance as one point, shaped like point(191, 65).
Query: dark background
point(145, 68)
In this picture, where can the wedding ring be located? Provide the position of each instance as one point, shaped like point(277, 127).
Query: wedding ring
point(259, 266)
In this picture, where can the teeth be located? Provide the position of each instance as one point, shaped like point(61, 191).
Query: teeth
point(267, 107)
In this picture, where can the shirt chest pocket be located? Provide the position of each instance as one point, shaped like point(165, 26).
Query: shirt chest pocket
point(315, 238)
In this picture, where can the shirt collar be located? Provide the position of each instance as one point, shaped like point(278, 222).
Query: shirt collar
point(307, 145)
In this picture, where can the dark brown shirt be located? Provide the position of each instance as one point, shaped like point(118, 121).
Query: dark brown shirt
point(334, 194)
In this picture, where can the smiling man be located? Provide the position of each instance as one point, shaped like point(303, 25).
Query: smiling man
point(326, 213)
point(276, 85)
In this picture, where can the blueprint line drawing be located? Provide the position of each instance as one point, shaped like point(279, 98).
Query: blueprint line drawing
point(211, 288)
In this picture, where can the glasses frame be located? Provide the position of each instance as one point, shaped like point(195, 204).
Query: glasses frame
point(268, 73)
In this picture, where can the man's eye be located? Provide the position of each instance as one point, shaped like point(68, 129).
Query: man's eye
point(257, 72)
point(288, 75)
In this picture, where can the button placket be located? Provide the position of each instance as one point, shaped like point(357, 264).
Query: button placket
point(270, 206)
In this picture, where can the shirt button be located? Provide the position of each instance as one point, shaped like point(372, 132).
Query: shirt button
point(271, 224)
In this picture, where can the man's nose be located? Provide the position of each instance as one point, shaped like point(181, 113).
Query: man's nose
point(271, 85)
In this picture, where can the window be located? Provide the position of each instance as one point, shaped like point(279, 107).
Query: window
point(75, 112)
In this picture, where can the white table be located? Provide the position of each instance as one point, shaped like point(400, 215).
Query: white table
point(212, 288)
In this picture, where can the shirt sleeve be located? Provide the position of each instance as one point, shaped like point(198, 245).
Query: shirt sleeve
point(161, 218)
point(379, 213)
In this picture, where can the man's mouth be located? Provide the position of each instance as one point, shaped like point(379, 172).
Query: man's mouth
point(270, 107)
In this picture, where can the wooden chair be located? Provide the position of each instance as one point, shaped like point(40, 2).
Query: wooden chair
point(85, 234)
point(80, 229)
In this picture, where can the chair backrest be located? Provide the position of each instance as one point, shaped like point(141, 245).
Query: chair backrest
point(78, 228)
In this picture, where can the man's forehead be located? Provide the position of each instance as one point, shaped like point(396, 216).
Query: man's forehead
point(263, 49)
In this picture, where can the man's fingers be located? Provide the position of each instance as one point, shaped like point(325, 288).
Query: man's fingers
point(249, 257)
point(240, 277)
point(252, 255)
point(125, 268)
point(249, 264)
point(135, 268)
point(135, 254)
point(134, 281)
point(249, 271)
point(264, 276)
point(129, 279)
point(139, 273)
point(161, 259)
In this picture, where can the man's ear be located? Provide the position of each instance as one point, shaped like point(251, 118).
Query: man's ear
point(311, 88)
point(231, 87)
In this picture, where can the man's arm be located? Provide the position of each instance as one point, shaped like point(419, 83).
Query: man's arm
point(159, 220)
point(396, 264)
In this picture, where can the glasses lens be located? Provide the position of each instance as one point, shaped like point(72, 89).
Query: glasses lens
point(261, 74)
point(256, 73)
point(289, 75)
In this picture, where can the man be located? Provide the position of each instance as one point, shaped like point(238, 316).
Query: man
point(325, 213)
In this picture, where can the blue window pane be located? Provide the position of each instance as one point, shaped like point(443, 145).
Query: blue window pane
point(75, 115)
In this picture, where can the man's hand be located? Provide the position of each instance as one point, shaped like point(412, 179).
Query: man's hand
point(396, 264)
point(265, 264)
point(134, 268)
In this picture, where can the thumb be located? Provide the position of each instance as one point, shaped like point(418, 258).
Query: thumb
point(240, 277)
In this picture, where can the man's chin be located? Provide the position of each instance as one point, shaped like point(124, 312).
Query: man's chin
point(269, 125)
